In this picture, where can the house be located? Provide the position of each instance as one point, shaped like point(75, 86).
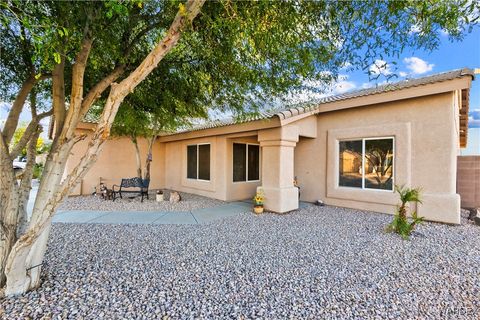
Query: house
point(347, 150)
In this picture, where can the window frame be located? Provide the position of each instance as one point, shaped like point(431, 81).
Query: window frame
point(246, 163)
point(363, 163)
point(198, 155)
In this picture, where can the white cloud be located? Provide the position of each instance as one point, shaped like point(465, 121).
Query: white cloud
point(414, 29)
point(417, 65)
point(343, 86)
point(402, 74)
point(315, 90)
point(345, 65)
point(366, 85)
point(380, 67)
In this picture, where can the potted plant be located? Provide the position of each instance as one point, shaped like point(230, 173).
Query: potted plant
point(258, 202)
point(159, 196)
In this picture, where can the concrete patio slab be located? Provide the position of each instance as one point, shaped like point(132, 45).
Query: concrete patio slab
point(78, 216)
point(243, 203)
point(176, 218)
point(129, 217)
point(156, 217)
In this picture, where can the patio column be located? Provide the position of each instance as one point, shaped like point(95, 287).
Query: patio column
point(278, 146)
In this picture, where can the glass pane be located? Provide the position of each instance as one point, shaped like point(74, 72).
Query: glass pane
point(239, 162)
point(379, 164)
point(204, 162)
point(192, 162)
point(253, 162)
point(350, 164)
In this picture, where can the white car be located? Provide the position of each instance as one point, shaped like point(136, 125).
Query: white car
point(19, 163)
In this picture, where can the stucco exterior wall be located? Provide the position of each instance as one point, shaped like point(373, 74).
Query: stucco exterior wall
point(221, 185)
point(116, 161)
point(426, 145)
point(425, 129)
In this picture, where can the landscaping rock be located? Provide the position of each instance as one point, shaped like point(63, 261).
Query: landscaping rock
point(319, 262)
point(97, 203)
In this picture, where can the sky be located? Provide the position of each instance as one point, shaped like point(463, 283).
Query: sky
point(412, 64)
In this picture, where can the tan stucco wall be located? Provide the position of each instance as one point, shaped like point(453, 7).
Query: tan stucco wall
point(426, 144)
point(426, 138)
point(221, 185)
point(116, 161)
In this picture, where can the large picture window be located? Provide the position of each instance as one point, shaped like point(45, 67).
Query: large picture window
point(246, 162)
point(366, 163)
point(198, 161)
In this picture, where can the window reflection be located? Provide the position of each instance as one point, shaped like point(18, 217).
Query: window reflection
point(379, 164)
point(350, 164)
point(366, 163)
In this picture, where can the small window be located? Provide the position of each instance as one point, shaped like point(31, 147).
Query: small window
point(253, 162)
point(204, 162)
point(192, 162)
point(239, 162)
point(198, 161)
point(246, 162)
point(366, 163)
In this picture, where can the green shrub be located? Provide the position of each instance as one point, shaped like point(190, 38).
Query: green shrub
point(401, 224)
point(37, 171)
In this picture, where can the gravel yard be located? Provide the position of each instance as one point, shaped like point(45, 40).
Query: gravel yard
point(318, 262)
point(189, 202)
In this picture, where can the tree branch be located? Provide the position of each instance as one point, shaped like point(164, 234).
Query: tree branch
point(27, 135)
point(76, 95)
point(58, 96)
point(99, 88)
point(119, 91)
point(26, 183)
point(17, 107)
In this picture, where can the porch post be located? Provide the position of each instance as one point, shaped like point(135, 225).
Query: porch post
point(278, 147)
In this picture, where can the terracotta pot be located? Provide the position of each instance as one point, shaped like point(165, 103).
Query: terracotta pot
point(258, 209)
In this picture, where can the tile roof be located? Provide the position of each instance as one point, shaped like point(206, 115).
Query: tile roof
point(312, 105)
point(405, 84)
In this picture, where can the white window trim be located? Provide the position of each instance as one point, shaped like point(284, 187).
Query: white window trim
point(198, 153)
point(246, 158)
point(363, 162)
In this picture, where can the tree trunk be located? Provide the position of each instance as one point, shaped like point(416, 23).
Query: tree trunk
point(24, 262)
point(149, 158)
point(23, 265)
point(26, 184)
point(8, 211)
point(8, 225)
point(13, 116)
point(137, 156)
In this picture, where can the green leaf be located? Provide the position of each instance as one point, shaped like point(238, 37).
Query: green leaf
point(57, 58)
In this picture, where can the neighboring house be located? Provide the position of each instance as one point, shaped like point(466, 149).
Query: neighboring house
point(347, 150)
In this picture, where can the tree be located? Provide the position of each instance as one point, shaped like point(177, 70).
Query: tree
point(17, 136)
point(160, 104)
point(29, 248)
point(235, 55)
